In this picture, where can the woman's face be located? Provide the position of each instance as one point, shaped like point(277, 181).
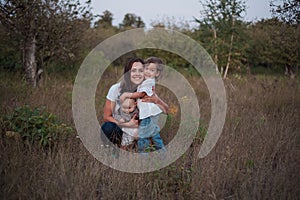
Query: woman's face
point(137, 73)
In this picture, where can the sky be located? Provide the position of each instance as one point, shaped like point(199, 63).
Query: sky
point(170, 10)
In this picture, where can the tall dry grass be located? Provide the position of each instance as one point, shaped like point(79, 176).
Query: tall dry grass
point(256, 157)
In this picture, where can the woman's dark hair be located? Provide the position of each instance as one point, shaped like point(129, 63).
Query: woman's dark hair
point(126, 84)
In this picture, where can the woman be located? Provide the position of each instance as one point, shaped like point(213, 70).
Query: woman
point(133, 76)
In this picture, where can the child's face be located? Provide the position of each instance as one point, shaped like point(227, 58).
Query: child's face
point(128, 106)
point(151, 71)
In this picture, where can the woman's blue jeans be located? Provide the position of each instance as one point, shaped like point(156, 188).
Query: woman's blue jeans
point(112, 132)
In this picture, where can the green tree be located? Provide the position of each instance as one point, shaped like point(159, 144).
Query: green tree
point(131, 21)
point(105, 20)
point(9, 54)
point(286, 10)
point(45, 29)
point(221, 19)
point(274, 45)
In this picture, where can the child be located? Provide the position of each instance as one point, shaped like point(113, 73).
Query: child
point(148, 112)
point(126, 111)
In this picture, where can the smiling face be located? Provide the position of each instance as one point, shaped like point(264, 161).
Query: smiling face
point(128, 106)
point(137, 73)
point(151, 71)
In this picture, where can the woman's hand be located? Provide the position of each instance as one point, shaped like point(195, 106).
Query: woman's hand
point(133, 123)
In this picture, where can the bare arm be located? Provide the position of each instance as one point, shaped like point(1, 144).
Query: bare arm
point(108, 110)
point(164, 106)
point(133, 95)
point(158, 101)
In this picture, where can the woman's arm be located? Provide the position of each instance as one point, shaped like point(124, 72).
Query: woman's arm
point(108, 110)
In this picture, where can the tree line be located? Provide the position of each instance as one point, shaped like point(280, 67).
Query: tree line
point(38, 36)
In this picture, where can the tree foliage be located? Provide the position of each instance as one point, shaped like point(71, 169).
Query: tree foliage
point(221, 30)
point(287, 13)
point(132, 21)
point(286, 10)
point(274, 45)
point(105, 20)
point(45, 30)
point(50, 34)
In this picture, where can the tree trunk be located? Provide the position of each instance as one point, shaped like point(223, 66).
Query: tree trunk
point(289, 71)
point(215, 49)
point(29, 63)
point(229, 57)
point(229, 54)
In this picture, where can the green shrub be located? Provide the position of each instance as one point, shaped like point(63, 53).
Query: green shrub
point(35, 126)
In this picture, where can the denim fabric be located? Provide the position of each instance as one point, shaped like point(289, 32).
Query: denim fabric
point(112, 132)
point(158, 142)
point(144, 143)
point(148, 127)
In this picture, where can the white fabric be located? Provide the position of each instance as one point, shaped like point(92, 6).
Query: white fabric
point(147, 109)
point(113, 92)
point(113, 95)
point(147, 86)
point(129, 135)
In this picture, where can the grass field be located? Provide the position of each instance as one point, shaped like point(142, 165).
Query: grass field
point(256, 157)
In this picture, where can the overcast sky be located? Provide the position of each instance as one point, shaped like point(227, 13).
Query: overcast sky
point(177, 10)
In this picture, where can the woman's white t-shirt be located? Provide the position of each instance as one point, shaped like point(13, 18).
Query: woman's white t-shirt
point(113, 95)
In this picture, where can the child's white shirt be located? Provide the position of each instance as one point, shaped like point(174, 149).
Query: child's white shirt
point(147, 109)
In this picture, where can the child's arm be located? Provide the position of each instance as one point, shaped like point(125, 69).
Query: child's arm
point(163, 106)
point(158, 101)
point(133, 95)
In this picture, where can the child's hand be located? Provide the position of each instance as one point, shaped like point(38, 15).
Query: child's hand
point(124, 96)
point(121, 120)
point(133, 123)
point(151, 99)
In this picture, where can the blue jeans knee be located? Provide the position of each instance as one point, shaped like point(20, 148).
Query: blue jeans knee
point(158, 142)
point(142, 144)
point(112, 132)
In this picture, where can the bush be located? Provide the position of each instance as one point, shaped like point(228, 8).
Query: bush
point(35, 126)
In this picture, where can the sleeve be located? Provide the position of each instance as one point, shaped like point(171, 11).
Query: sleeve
point(147, 86)
point(113, 92)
